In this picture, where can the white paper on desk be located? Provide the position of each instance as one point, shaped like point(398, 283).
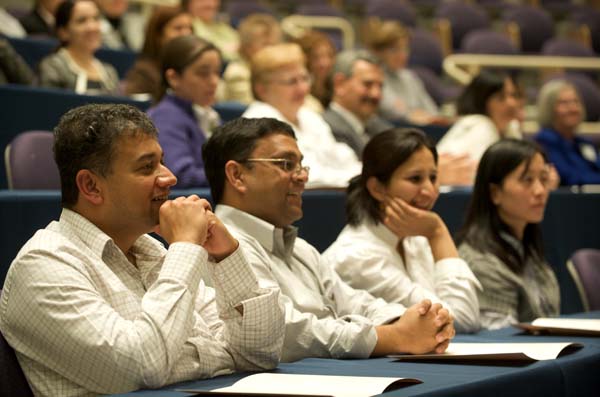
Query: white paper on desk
point(563, 326)
point(495, 351)
point(321, 385)
point(569, 323)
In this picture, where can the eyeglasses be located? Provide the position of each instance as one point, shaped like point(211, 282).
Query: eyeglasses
point(291, 166)
point(291, 81)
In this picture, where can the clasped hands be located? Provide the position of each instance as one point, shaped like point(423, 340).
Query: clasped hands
point(191, 219)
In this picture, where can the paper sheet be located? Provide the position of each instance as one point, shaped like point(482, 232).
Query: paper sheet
point(563, 326)
point(495, 351)
point(313, 385)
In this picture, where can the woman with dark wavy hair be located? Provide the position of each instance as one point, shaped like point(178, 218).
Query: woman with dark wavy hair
point(394, 246)
point(501, 238)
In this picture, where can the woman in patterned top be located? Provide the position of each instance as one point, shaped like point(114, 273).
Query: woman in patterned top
point(501, 238)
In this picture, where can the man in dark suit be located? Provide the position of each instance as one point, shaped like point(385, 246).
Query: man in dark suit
point(40, 21)
point(357, 81)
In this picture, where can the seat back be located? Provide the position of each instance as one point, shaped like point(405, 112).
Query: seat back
point(488, 41)
point(397, 10)
point(463, 18)
point(30, 163)
point(12, 378)
point(535, 26)
point(584, 267)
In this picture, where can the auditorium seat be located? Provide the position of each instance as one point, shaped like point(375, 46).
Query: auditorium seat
point(12, 378)
point(29, 162)
point(584, 266)
point(35, 108)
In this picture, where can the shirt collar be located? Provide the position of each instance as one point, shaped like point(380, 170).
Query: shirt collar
point(145, 247)
point(513, 241)
point(279, 241)
point(183, 103)
point(381, 231)
point(350, 117)
point(208, 118)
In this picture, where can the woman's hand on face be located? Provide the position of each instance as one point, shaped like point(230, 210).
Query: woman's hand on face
point(405, 220)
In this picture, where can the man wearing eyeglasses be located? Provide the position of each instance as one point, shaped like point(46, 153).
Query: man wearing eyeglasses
point(257, 176)
point(280, 83)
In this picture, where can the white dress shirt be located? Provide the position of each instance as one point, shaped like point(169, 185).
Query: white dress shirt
point(473, 134)
point(325, 317)
point(85, 321)
point(332, 163)
point(366, 257)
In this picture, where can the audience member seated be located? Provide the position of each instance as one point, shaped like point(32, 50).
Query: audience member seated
point(256, 31)
point(394, 246)
point(208, 27)
point(560, 112)
point(184, 117)
point(93, 305)
point(145, 76)
point(487, 108)
point(501, 238)
point(257, 177)
point(357, 81)
point(404, 95)
point(13, 69)
point(10, 26)
point(280, 83)
point(121, 29)
point(40, 20)
point(73, 66)
point(320, 52)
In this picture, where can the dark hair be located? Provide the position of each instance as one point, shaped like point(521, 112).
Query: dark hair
point(182, 51)
point(236, 140)
point(86, 138)
point(160, 17)
point(474, 98)
point(383, 154)
point(63, 15)
point(483, 225)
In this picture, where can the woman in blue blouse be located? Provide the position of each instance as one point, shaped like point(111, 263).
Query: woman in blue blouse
point(560, 112)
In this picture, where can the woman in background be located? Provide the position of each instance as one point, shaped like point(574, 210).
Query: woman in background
point(486, 108)
point(560, 112)
point(73, 66)
point(394, 246)
point(184, 117)
point(164, 24)
point(501, 238)
point(320, 56)
point(404, 95)
point(256, 32)
point(208, 26)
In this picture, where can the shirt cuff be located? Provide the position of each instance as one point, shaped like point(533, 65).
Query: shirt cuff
point(234, 279)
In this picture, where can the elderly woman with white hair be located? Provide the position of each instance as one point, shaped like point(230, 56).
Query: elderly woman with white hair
point(560, 112)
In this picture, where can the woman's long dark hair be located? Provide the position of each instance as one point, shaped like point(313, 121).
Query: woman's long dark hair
point(383, 154)
point(483, 225)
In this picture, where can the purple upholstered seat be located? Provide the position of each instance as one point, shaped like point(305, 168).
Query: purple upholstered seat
point(584, 266)
point(30, 162)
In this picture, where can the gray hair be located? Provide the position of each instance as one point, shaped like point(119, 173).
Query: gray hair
point(547, 100)
point(345, 60)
